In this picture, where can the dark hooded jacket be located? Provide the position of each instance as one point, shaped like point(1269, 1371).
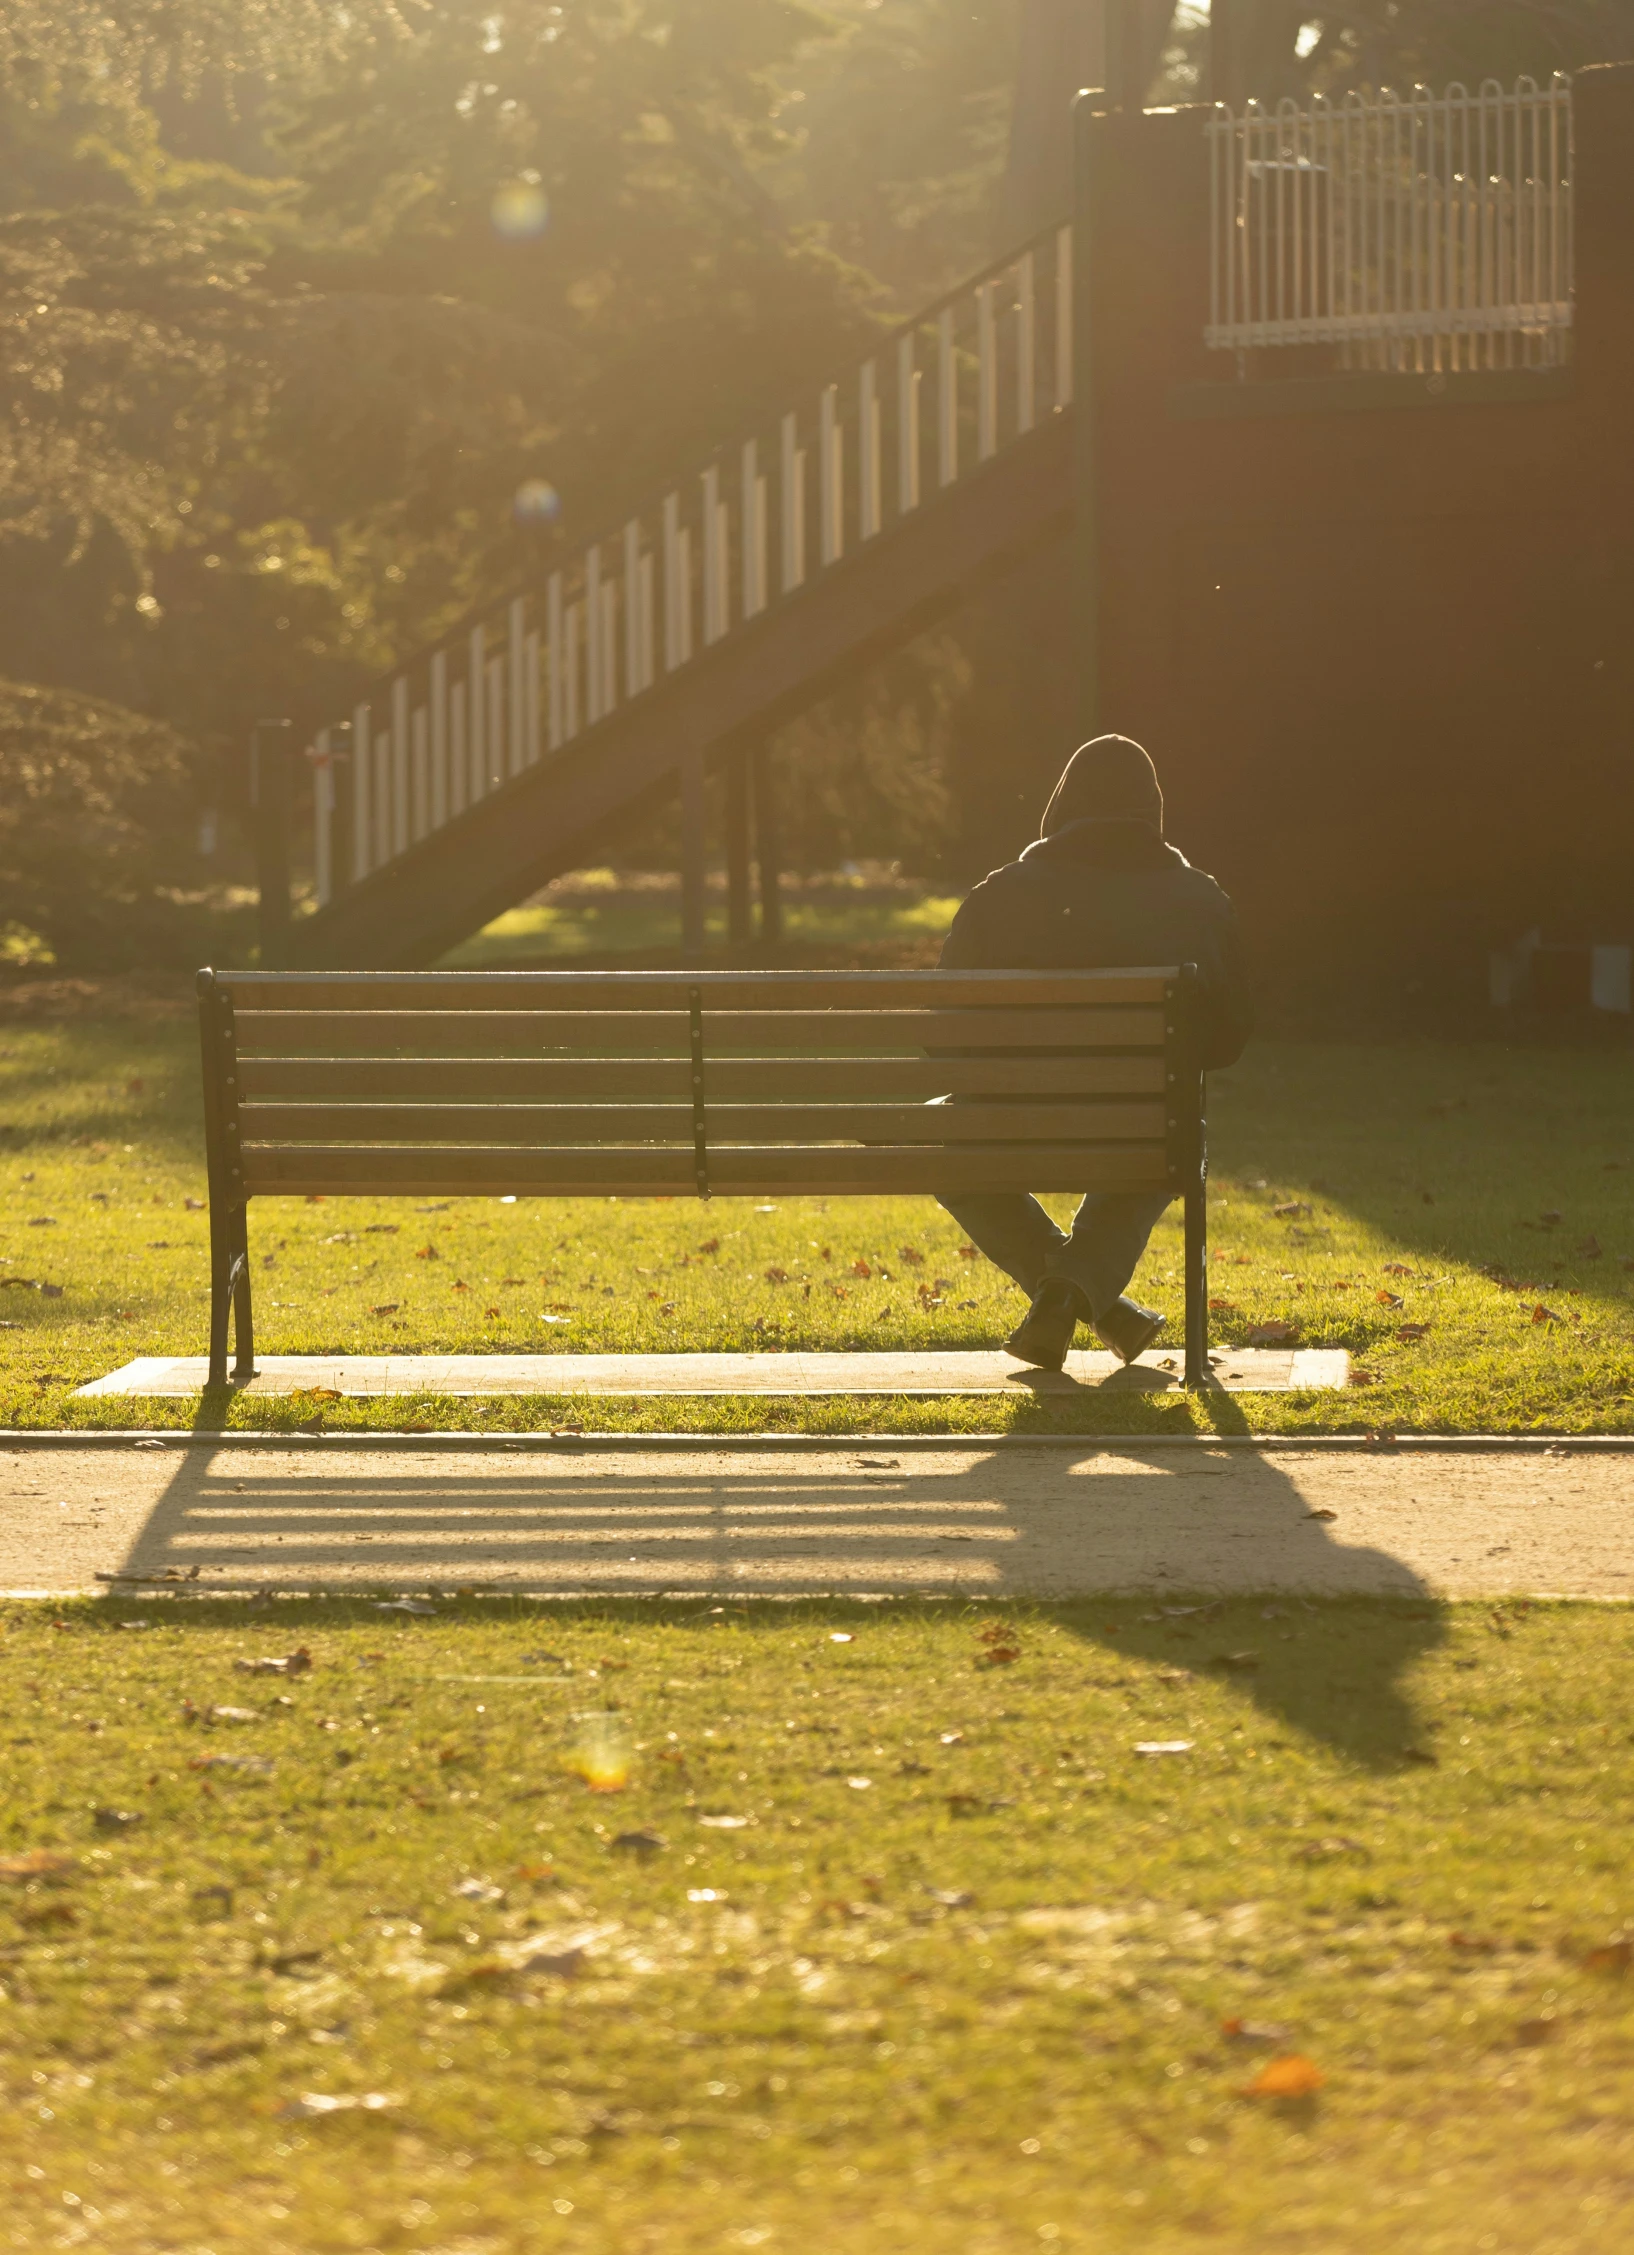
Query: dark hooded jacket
point(1100, 891)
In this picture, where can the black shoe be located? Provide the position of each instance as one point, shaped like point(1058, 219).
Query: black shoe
point(1128, 1328)
point(1044, 1333)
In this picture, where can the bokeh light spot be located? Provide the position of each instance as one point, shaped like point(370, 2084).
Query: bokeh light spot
point(520, 210)
point(536, 502)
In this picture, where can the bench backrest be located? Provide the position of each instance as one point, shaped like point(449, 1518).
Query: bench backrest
point(660, 1083)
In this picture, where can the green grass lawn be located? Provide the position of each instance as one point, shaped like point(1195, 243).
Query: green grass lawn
point(868, 915)
point(1474, 1186)
point(891, 1940)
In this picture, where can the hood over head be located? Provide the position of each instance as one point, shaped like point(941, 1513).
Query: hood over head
point(1110, 779)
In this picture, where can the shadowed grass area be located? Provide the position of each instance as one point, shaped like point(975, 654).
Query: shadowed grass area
point(1359, 1191)
point(891, 1938)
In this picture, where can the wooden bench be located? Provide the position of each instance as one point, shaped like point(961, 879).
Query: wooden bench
point(713, 1083)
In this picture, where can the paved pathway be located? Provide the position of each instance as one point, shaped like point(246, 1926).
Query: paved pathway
point(1046, 1521)
point(1239, 1370)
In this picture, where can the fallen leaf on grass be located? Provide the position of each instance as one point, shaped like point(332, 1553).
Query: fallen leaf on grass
point(1222, 1307)
point(1482, 1945)
point(1275, 1333)
point(1324, 1851)
point(1537, 2031)
point(390, 1307)
point(1407, 1333)
point(951, 1898)
point(296, 1663)
point(115, 1820)
point(638, 1843)
point(1611, 1957)
point(840, 1636)
point(1292, 1209)
point(1541, 1314)
point(1291, 2076)
point(251, 1765)
point(311, 2106)
point(600, 1755)
point(1239, 1660)
point(1361, 1377)
point(37, 1863)
point(403, 1605)
point(1397, 1268)
point(1150, 1746)
point(964, 1804)
point(724, 1824)
point(1388, 1299)
point(1251, 2033)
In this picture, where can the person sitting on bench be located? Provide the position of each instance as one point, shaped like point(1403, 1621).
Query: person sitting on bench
point(1099, 889)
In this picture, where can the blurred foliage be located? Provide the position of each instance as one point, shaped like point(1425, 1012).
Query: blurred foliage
point(294, 298)
point(93, 817)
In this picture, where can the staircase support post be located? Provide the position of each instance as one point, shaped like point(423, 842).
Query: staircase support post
point(768, 850)
point(739, 908)
point(269, 807)
point(694, 867)
point(1086, 575)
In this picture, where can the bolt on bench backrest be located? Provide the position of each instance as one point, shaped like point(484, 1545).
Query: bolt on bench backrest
point(663, 1083)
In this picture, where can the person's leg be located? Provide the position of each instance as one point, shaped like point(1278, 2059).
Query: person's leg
point(1013, 1230)
point(1109, 1234)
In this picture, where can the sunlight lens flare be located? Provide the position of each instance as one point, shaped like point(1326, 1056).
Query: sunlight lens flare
point(520, 211)
point(600, 1753)
point(536, 502)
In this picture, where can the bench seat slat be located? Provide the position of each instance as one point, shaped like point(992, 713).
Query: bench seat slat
point(533, 1125)
point(630, 990)
point(339, 1169)
point(592, 1080)
point(486, 1033)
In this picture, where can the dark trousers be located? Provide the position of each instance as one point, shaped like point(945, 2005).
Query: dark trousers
point(1099, 1253)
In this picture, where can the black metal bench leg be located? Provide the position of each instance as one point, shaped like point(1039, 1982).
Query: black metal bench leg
point(243, 1313)
point(1197, 1364)
point(221, 1294)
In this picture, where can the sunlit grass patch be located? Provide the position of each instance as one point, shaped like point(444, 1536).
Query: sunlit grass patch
point(1459, 1219)
point(886, 1940)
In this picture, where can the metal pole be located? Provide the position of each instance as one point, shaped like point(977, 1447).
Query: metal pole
point(693, 864)
point(738, 906)
point(269, 806)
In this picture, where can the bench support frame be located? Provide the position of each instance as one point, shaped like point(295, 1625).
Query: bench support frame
point(1188, 1148)
point(229, 1206)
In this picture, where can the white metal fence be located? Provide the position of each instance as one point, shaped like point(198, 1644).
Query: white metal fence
point(950, 390)
point(1420, 232)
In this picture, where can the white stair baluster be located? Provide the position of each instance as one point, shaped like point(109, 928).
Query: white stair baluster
point(362, 744)
point(323, 807)
point(556, 731)
point(496, 722)
point(420, 768)
point(439, 739)
point(870, 502)
point(609, 647)
point(714, 624)
point(516, 702)
point(382, 798)
point(947, 401)
point(907, 426)
point(1026, 344)
point(987, 374)
point(476, 716)
point(831, 477)
point(592, 635)
point(1063, 318)
point(646, 619)
point(752, 510)
point(570, 670)
point(530, 697)
point(399, 765)
point(459, 766)
point(794, 508)
point(634, 678)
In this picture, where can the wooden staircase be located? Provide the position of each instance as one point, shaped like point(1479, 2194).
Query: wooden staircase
point(483, 768)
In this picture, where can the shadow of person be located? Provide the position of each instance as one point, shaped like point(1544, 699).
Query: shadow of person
point(1229, 1572)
